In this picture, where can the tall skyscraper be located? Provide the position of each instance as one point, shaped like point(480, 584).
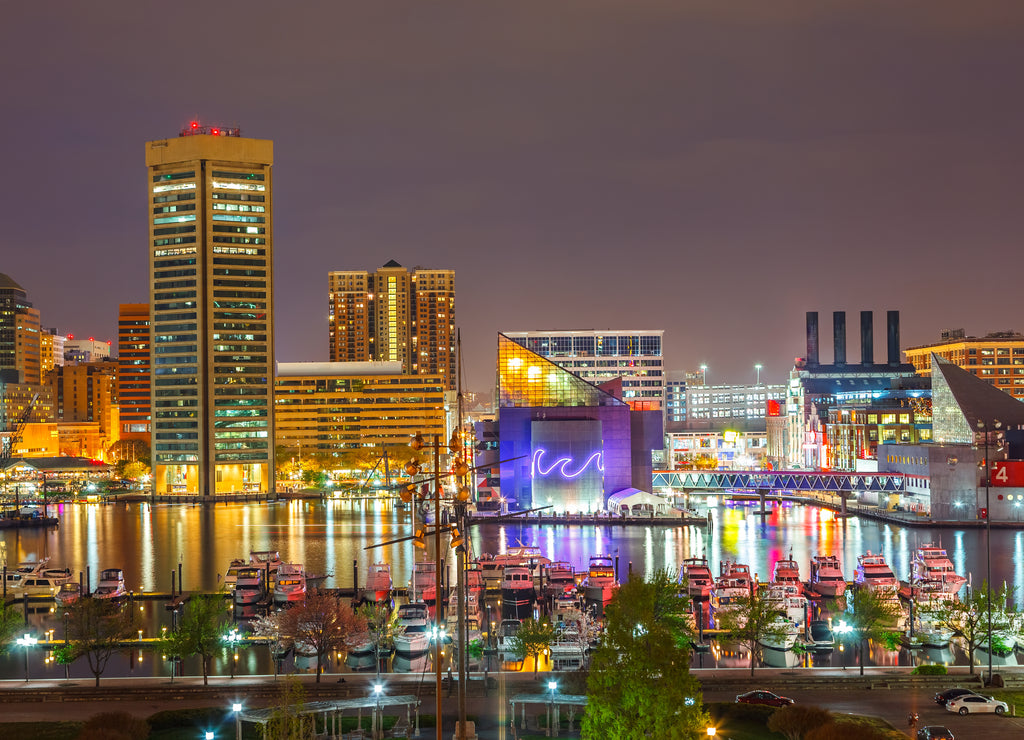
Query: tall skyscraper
point(393, 315)
point(134, 366)
point(211, 299)
point(19, 334)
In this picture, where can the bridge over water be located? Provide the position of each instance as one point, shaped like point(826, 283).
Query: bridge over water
point(779, 480)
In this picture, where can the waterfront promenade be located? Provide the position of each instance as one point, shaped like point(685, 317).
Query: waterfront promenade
point(883, 692)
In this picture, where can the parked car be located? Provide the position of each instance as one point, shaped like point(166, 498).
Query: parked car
point(934, 732)
point(762, 696)
point(972, 703)
point(943, 697)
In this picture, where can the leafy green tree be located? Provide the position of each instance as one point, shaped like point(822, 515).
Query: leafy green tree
point(639, 683)
point(796, 720)
point(97, 629)
point(314, 478)
point(968, 617)
point(128, 450)
point(870, 616)
point(10, 625)
point(752, 619)
point(382, 625)
point(532, 640)
point(133, 469)
point(321, 625)
point(285, 722)
point(201, 630)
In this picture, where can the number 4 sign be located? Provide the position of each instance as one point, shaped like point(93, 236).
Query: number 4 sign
point(1008, 473)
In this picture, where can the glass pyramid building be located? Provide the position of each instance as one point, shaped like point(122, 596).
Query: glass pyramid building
point(525, 379)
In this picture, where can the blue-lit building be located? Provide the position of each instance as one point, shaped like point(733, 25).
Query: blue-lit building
point(564, 442)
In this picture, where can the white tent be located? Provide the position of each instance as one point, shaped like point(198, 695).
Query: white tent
point(636, 501)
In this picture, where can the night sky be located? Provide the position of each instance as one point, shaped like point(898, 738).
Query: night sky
point(714, 169)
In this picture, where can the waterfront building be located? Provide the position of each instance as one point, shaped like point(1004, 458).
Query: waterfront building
point(676, 383)
point(324, 409)
point(731, 406)
point(210, 214)
point(997, 357)
point(17, 398)
point(394, 315)
point(51, 351)
point(19, 334)
point(133, 371)
point(855, 430)
point(601, 356)
point(814, 387)
point(85, 350)
point(565, 442)
point(724, 449)
point(86, 393)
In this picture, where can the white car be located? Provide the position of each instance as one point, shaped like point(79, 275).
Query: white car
point(971, 703)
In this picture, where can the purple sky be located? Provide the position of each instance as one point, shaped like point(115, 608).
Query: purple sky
point(713, 169)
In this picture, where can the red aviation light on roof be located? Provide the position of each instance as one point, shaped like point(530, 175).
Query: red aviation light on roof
point(215, 131)
point(92, 339)
point(195, 124)
point(71, 336)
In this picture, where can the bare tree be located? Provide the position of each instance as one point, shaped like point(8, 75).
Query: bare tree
point(321, 625)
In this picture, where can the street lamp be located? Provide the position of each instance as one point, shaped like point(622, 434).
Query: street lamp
point(552, 687)
point(26, 642)
point(712, 731)
point(67, 666)
point(233, 638)
point(237, 709)
point(758, 368)
point(378, 720)
point(209, 735)
point(994, 424)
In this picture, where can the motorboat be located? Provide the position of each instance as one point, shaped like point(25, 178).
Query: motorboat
point(568, 649)
point(600, 584)
point(290, 585)
point(566, 605)
point(731, 589)
point(269, 560)
point(790, 601)
point(931, 635)
point(697, 575)
point(69, 593)
point(739, 573)
point(931, 566)
point(874, 574)
point(820, 638)
point(781, 634)
point(786, 572)
point(517, 591)
point(42, 585)
point(827, 576)
point(423, 583)
point(111, 585)
point(412, 636)
point(558, 576)
point(250, 585)
point(231, 574)
point(378, 584)
point(519, 556)
point(508, 629)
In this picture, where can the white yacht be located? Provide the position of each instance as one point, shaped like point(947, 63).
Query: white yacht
point(290, 585)
point(69, 593)
point(874, 574)
point(697, 574)
point(250, 586)
point(413, 634)
point(827, 576)
point(600, 584)
point(932, 570)
point(786, 572)
point(111, 585)
point(517, 591)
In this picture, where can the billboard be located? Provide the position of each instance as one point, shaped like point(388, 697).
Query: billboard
point(567, 465)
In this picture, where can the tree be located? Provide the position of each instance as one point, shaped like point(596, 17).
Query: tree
point(129, 450)
point(381, 624)
point(97, 628)
point(639, 683)
point(846, 731)
point(968, 618)
point(321, 625)
point(796, 720)
point(10, 625)
point(114, 726)
point(285, 722)
point(200, 631)
point(532, 640)
point(870, 615)
point(752, 619)
point(132, 469)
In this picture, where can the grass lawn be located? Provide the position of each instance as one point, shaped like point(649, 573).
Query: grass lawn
point(41, 730)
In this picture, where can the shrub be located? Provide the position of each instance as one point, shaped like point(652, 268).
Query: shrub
point(929, 669)
point(114, 726)
point(846, 731)
point(174, 718)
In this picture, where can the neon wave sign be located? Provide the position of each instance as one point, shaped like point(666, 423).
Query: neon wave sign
point(564, 465)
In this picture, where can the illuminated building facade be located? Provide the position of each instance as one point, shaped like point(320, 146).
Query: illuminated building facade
point(997, 358)
point(133, 371)
point(87, 393)
point(563, 441)
point(85, 350)
point(19, 360)
point(394, 315)
point(210, 213)
point(325, 408)
point(602, 356)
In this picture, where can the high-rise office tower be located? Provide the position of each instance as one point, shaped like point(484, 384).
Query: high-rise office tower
point(134, 371)
point(19, 334)
point(394, 315)
point(211, 299)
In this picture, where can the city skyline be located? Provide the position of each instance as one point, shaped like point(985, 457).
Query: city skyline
point(714, 172)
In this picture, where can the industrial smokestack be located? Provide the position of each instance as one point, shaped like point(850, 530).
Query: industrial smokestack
point(893, 332)
point(867, 338)
point(812, 337)
point(839, 337)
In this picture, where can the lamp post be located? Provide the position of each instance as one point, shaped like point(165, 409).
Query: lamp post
point(758, 368)
point(378, 721)
point(237, 709)
point(712, 731)
point(26, 642)
point(67, 666)
point(994, 424)
point(232, 639)
point(552, 687)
